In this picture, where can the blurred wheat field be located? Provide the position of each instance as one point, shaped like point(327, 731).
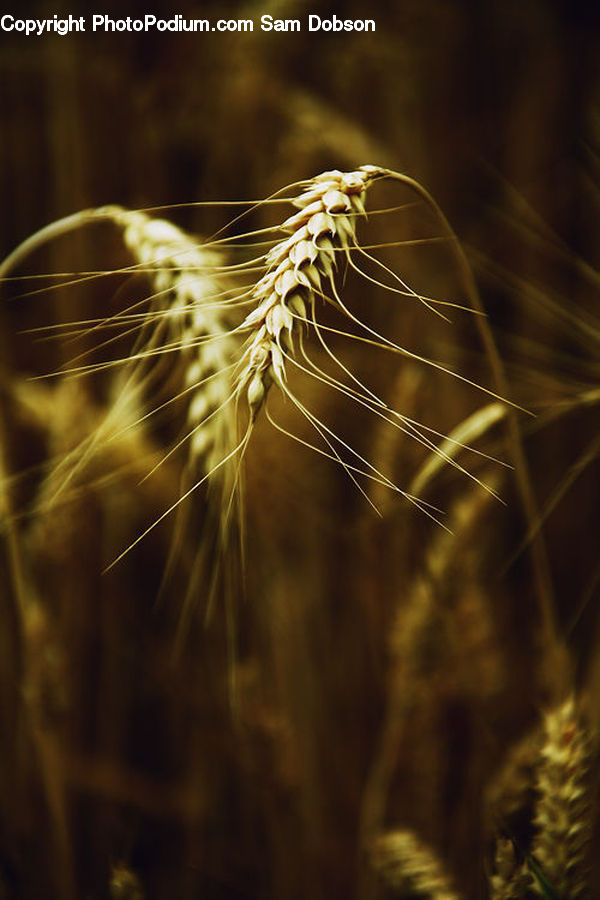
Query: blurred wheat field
point(296, 685)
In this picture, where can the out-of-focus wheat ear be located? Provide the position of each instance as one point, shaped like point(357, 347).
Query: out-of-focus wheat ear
point(407, 864)
point(563, 811)
point(187, 288)
point(196, 322)
point(511, 879)
point(125, 884)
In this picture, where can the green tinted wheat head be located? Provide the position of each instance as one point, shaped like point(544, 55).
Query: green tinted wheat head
point(555, 864)
point(553, 766)
point(563, 813)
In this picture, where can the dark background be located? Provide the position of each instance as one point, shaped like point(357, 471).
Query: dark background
point(116, 753)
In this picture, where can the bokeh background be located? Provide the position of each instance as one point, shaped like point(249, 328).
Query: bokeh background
point(383, 666)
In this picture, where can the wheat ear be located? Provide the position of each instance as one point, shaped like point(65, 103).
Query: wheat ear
point(563, 813)
point(407, 864)
point(183, 276)
point(297, 268)
point(187, 297)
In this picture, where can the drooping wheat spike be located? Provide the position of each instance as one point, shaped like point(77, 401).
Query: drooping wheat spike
point(188, 291)
point(198, 328)
point(407, 864)
point(298, 268)
point(511, 879)
point(563, 812)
